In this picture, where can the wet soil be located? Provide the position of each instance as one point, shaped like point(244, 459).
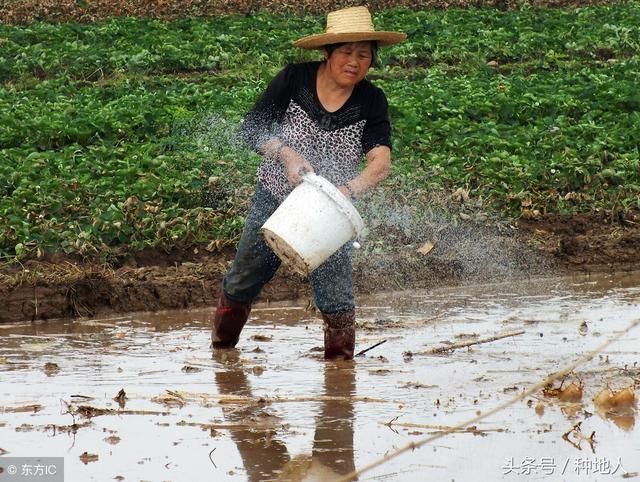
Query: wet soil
point(141, 397)
point(59, 286)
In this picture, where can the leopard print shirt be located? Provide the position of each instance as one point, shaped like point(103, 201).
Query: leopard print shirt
point(333, 142)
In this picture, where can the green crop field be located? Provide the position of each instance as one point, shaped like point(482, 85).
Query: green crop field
point(121, 135)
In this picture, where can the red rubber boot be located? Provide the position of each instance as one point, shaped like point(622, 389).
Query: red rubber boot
point(228, 322)
point(339, 335)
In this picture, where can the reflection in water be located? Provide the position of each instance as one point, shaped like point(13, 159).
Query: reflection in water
point(264, 455)
point(572, 410)
point(624, 419)
point(333, 441)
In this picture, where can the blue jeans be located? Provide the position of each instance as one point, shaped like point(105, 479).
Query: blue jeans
point(255, 264)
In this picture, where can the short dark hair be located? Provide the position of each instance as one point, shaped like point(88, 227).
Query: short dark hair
point(374, 50)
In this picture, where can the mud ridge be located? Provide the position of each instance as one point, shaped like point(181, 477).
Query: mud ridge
point(64, 287)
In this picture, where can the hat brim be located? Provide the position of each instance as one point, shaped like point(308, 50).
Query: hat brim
point(320, 40)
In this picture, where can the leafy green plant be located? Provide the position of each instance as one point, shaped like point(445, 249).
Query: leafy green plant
point(122, 134)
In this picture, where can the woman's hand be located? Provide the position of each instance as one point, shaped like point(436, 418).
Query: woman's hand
point(295, 165)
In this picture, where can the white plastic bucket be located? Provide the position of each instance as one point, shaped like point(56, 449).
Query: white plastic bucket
point(311, 224)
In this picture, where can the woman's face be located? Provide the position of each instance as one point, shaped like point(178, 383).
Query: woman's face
point(348, 64)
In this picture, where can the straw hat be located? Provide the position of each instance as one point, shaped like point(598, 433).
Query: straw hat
point(349, 25)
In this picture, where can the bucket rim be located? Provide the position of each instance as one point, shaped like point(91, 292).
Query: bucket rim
point(343, 202)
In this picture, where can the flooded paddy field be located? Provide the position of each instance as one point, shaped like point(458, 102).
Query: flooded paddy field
point(140, 397)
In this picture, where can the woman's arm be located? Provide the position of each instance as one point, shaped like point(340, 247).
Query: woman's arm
point(376, 142)
point(261, 123)
point(377, 169)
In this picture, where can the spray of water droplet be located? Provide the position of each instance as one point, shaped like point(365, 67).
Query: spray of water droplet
point(400, 222)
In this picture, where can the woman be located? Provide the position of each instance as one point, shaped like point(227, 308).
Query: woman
point(320, 117)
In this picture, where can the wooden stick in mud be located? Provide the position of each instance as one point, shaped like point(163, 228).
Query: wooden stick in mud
point(362, 352)
point(439, 428)
point(538, 386)
point(317, 398)
point(454, 346)
point(181, 398)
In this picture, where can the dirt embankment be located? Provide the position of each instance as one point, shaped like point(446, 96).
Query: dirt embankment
point(27, 11)
point(62, 287)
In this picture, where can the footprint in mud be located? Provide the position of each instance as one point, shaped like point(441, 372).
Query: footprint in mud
point(112, 440)
point(51, 369)
point(86, 457)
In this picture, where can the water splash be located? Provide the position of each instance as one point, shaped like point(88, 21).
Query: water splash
point(458, 245)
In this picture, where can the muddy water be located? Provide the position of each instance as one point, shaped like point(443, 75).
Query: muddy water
point(273, 410)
